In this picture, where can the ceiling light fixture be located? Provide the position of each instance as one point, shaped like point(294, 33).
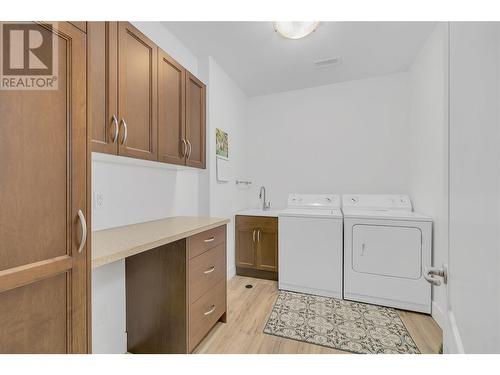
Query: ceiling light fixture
point(295, 29)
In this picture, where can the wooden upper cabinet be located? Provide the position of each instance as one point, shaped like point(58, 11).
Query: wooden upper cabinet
point(137, 93)
point(195, 121)
point(172, 146)
point(44, 279)
point(102, 56)
point(141, 102)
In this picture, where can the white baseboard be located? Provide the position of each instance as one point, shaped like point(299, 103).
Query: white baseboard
point(231, 272)
point(438, 314)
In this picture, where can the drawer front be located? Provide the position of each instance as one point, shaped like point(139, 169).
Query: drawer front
point(201, 242)
point(205, 312)
point(206, 270)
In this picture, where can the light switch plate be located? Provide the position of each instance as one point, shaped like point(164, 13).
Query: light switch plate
point(98, 200)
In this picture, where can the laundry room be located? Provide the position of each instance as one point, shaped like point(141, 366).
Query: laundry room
point(252, 187)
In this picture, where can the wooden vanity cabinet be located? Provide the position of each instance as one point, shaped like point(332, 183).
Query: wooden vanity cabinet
point(176, 293)
point(257, 246)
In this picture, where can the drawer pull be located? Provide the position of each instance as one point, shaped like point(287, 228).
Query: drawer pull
point(210, 239)
point(212, 309)
point(210, 270)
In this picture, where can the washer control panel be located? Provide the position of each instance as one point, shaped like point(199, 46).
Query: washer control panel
point(319, 201)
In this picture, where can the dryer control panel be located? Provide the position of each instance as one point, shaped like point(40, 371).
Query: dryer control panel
point(377, 202)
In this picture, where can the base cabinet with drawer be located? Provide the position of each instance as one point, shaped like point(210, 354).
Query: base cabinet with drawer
point(176, 293)
point(257, 246)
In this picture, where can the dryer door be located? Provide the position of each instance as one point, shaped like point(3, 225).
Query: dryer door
point(387, 250)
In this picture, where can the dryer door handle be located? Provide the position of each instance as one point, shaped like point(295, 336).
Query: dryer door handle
point(433, 275)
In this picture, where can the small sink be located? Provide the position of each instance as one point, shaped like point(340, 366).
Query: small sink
point(259, 212)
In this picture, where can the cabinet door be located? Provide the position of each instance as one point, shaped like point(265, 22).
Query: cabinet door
point(172, 146)
point(44, 160)
point(195, 121)
point(245, 246)
point(102, 105)
point(137, 93)
point(267, 249)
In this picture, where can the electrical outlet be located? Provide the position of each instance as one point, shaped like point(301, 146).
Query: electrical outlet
point(98, 200)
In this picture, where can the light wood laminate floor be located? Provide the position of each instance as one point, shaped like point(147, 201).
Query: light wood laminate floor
point(249, 309)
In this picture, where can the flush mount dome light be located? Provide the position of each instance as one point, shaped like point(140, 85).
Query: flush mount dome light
point(295, 29)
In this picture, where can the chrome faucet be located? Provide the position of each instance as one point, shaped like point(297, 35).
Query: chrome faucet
point(262, 195)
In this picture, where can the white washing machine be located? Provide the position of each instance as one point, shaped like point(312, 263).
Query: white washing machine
point(310, 245)
point(386, 249)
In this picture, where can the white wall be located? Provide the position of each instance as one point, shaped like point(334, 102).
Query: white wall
point(167, 41)
point(227, 110)
point(136, 191)
point(474, 288)
point(428, 118)
point(350, 137)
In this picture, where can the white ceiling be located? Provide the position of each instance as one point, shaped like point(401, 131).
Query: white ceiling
point(260, 61)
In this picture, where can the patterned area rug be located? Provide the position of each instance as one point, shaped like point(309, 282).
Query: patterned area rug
point(344, 325)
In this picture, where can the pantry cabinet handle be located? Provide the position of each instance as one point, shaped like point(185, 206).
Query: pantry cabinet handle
point(83, 225)
point(212, 309)
point(210, 270)
point(210, 239)
point(114, 121)
point(125, 134)
point(258, 235)
point(253, 236)
point(190, 149)
point(184, 147)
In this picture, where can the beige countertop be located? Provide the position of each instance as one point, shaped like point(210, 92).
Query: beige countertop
point(259, 212)
point(110, 245)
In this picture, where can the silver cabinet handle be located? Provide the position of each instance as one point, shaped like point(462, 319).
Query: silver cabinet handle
point(184, 147)
point(253, 235)
point(83, 224)
point(210, 239)
point(211, 310)
point(258, 235)
point(190, 149)
point(125, 131)
point(210, 270)
point(114, 121)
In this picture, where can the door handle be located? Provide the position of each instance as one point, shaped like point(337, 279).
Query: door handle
point(211, 310)
point(258, 235)
point(190, 149)
point(83, 226)
point(253, 236)
point(114, 121)
point(433, 275)
point(210, 270)
point(363, 248)
point(125, 131)
point(184, 147)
